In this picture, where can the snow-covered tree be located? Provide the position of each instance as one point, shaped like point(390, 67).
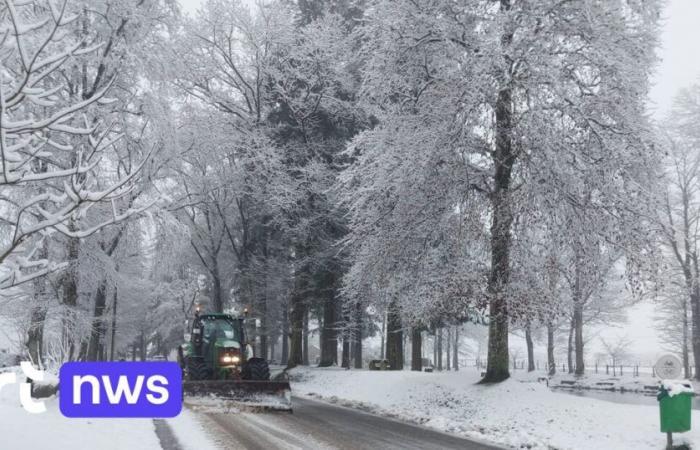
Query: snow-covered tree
point(679, 218)
point(516, 106)
point(81, 163)
point(56, 137)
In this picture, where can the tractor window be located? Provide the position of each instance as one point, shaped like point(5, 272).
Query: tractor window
point(219, 329)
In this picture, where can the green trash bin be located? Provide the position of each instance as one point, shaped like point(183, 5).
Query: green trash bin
point(675, 403)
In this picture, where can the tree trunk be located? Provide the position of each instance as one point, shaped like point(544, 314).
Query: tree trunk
point(439, 348)
point(552, 369)
point(296, 356)
point(455, 351)
point(285, 334)
point(97, 330)
point(570, 348)
point(112, 341)
point(357, 351)
point(448, 360)
point(142, 347)
point(501, 221)
point(578, 337)
point(416, 349)
point(35, 333)
point(684, 347)
point(70, 298)
point(530, 348)
point(305, 338)
point(394, 337)
point(217, 300)
point(435, 347)
point(329, 333)
point(695, 317)
point(405, 345)
point(262, 313)
point(382, 354)
point(695, 332)
point(37, 315)
point(345, 356)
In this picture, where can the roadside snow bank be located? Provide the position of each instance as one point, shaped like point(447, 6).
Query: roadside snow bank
point(50, 430)
point(513, 413)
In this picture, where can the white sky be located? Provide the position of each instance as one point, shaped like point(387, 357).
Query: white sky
point(680, 59)
point(679, 67)
point(190, 6)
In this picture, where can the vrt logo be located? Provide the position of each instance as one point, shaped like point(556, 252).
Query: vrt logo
point(25, 389)
point(120, 389)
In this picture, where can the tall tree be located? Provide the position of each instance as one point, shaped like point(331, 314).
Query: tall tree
point(543, 97)
point(679, 219)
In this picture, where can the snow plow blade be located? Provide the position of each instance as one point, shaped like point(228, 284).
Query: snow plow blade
point(262, 395)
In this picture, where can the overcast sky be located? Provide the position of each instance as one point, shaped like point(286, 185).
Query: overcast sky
point(679, 67)
point(680, 57)
point(190, 5)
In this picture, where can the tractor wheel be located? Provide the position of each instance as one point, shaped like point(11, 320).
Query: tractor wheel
point(255, 369)
point(197, 370)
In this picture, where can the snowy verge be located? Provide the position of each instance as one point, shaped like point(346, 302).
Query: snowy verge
point(51, 430)
point(513, 413)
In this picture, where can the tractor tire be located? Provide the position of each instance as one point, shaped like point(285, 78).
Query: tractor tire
point(255, 369)
point(197, 370)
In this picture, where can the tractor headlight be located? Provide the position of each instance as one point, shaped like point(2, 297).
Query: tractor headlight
point(230, 359)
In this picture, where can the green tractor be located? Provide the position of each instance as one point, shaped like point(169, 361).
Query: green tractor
point(217, 360)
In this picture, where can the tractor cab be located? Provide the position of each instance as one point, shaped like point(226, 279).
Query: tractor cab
point(219, 336)
point(216, 349)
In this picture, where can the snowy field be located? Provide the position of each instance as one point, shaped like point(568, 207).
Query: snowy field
point(518, 413)
point(50, 430)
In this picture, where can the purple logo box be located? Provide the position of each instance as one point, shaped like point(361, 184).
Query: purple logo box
point(120, 389)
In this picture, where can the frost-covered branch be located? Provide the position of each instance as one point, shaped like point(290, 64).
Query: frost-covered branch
point(56, 161)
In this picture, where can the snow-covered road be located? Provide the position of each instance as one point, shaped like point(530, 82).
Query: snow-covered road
point(316, 425)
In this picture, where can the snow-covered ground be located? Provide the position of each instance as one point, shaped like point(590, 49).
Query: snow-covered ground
point(50, 430)
point(518, 413)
